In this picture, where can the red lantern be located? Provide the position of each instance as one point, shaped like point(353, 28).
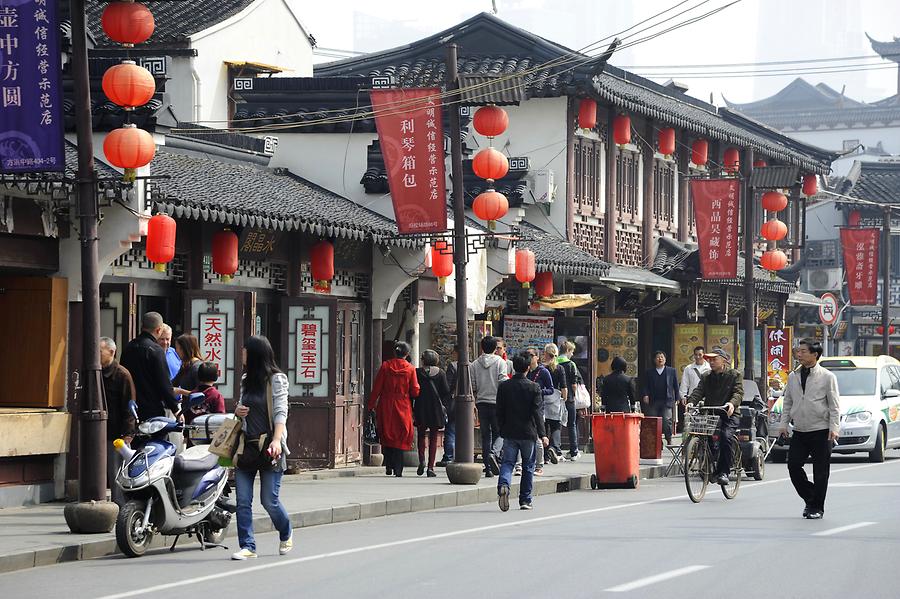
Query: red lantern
point(442, 261)
point(773, 260)
point(759, 164)
point(699, 152)
point(490, 164)
point(854, 218)
point(161, 241)
point(667, 141)
point(127, 23)
point(622, 130)
point(129, 148)
point(525, 267)
point(490, 206)
point(543, 284)
point(321, 265)
point(225, 254)
point(891, 330)
point(587, 113)
point(774, 230)
point(774, 201)
point(490, 121)
point(731, 160)
point(810, 185)
point(128, 85)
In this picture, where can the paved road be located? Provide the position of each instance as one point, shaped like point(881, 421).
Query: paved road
point(580, 544)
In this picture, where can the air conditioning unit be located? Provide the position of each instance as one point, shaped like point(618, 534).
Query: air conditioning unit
point(541, 186)
point(823, 279)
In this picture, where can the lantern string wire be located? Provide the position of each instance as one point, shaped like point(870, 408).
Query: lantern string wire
point(405, 105)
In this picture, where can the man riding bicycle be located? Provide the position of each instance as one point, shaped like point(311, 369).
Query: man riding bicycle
point(722, 387)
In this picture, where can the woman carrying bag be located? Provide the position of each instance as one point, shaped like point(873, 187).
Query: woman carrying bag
point(264, 410)
point(430, 408)
point(392, 396)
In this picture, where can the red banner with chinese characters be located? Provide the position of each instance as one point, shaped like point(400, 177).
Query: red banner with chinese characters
point(412, 143)
point(778, 353)
point(861, 264)
point(716, 204)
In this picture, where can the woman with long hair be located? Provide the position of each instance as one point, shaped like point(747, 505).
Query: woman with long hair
point(265, 445)
point(392, 392)
point(554, 404)
point(430, 408)
point(188, 350)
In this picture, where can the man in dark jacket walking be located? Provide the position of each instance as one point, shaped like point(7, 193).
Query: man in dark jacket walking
point(721, 387)
point(119, 390)
point(145, 359)
point(661, 393)
point(520, 416)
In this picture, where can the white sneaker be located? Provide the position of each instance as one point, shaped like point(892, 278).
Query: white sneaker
point(244, 554)
point(574, 458)
point(286, 546)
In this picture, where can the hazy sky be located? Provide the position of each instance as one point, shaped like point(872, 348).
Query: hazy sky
point(749, 31)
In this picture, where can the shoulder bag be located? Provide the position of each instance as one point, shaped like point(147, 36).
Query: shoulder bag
point(253, 455)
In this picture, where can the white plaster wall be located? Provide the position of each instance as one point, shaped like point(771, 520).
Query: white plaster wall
point(265, 32)
point(822, 220)
point(833, 139)
point(180, 87)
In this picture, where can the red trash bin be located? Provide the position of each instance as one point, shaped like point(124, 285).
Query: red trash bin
point(617, 450)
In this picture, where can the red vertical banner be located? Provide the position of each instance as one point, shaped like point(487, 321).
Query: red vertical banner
point(716, 204)
point(412, 143)
point(861, 264)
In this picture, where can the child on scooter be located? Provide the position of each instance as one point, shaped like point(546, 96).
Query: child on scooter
point(213, 402)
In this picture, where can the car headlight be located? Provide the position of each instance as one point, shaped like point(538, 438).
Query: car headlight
point(861, 417)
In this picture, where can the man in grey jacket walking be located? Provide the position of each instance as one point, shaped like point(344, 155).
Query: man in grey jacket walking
point(485, 375)
point(812, 402)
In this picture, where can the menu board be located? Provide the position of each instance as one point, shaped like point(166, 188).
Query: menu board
point(526, 332)
point(721, 336)
point(686, 338)
point(617, 337)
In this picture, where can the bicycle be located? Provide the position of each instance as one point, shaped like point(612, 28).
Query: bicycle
point(701, 454)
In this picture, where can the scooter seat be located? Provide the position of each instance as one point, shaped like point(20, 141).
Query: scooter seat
point(196, 464)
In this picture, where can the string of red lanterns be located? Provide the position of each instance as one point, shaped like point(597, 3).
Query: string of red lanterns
point(490, 164)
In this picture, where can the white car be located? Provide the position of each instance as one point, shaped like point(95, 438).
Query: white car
point(870, 406)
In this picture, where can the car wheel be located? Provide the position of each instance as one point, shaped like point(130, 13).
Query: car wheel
point(877, 454)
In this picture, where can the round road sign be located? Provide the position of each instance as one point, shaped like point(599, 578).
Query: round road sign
point(828, 311)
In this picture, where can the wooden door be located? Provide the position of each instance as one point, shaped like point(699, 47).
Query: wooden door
point(118, 313)
point(349, 383)
point(308, 357)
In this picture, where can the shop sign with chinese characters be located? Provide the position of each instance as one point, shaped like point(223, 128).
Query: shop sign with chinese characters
point(213, 327)
point(716, 212)
point(860, 247)
point(258, 244)
point(31, 135)
point(411, 135)
point(309, 349)
point(779, 362)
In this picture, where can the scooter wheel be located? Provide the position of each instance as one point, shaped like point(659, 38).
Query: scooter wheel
point(130, 519)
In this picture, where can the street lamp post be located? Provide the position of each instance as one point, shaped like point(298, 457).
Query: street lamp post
point(886, 281)
point(463, 469)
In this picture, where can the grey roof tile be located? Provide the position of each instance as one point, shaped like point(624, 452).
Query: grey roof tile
point(555, 254)
point(876, 182)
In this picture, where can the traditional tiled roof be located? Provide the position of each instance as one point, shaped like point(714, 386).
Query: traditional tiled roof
point(202, 187)
point(102, 170)
point(552, 253)
point(175, 21)
point(873, 182)
point(889, 50)
point(681, 262)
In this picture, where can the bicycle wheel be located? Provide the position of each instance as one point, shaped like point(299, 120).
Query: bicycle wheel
point(696, 468)
point(737, 470)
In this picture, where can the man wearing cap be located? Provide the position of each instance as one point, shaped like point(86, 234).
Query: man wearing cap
point(723, 387)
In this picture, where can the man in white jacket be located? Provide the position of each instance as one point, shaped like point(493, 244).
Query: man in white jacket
point(812, 402)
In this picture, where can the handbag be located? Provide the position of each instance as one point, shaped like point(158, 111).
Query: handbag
point(370, 432)
point(252, 454)
point(582, 397)
point(553, 405)
point(438, 397)
point(226, 439)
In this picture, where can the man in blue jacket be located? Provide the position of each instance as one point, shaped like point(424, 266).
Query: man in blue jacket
point(660, 393)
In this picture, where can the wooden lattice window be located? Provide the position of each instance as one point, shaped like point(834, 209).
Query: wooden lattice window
point(589, 237)
point(588, 173)
point(629, 251)
point(627, 184)
point(664, 194)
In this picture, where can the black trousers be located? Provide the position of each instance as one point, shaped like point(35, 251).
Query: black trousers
point(815, 445)
point(660, 410)
point(490, 431)
point(727, 426)
point(393, 459)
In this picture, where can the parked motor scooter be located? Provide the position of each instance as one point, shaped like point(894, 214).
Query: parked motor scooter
point(168, 494)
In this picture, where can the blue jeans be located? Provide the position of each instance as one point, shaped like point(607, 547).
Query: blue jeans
point(573, 427)
point(511, 450)
point(450, 440)
point(269, 485)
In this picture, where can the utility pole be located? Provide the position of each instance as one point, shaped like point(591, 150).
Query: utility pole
point(749, 284)
point(886, 281)
point(93, 514)
point(463, 470)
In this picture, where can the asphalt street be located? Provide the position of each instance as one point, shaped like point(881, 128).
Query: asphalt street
point(649, 542)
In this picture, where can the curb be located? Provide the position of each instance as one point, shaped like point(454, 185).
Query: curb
point(24, 560)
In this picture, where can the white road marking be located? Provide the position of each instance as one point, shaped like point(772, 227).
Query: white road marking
point(643, 582)
point(298, 560)
point(840, 529)
point(848, 485)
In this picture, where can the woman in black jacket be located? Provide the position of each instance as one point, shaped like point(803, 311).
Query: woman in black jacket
point(430, 408)
point(617, 389)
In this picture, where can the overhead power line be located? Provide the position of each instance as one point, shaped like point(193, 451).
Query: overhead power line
point(749, 64)
point(738, 75)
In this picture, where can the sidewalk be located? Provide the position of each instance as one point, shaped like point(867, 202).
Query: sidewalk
point(38, 536)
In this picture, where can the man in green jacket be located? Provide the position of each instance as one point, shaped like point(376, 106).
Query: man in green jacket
point(722, 386)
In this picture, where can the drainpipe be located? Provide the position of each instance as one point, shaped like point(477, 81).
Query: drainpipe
point(198, 103)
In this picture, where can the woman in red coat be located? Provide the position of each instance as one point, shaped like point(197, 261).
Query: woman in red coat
point(395, 386)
